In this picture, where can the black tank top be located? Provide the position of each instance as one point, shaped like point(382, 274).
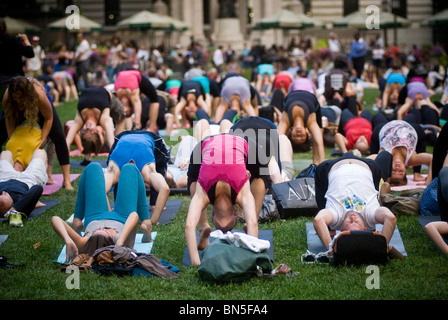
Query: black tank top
point(94, 98)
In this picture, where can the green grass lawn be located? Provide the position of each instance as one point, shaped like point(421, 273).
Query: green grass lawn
point(423, 275)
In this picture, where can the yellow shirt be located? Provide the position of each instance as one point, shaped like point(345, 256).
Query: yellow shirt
point(23, 142)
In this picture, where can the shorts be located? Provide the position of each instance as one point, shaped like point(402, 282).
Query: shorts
point(236, 86)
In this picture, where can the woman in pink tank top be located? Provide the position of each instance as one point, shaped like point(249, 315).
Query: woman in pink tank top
point(127, 90)
point(222, 181)
point(128, 87)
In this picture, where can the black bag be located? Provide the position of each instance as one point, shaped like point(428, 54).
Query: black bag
point(295, 198)
point(357, 247)
point(309, 171)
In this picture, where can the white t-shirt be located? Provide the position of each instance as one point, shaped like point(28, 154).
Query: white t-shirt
point(35, 63)
point(351, 188)
point(83, 50)
point(34, 174)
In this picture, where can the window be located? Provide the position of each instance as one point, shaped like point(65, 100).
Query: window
point(111, 12)
point(400, 8)
point(306, 7)
point(350, 6)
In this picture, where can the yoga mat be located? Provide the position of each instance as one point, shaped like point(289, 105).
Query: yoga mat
point(172, 208)
point(410, 185)
point(48, 205)
point(173, 132)
point(301, 163)
point(51, 188)
point(262, 234)
point(78, 153)
point(139, 246)
point(168, 214)
point(77, 164)
point(424, 220)
point(316, 246)
point(38, 211)
point(3, 238)
point(181, 191)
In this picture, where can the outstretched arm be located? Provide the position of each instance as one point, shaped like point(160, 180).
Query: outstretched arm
point(180, 106)
point(74, 129)
point(107, 124)
point(246, 200)
point(385, 217)
point(318, 143)
point(198, 203)
point(321, 222)
point(137, 105)
point(341, 141)
point(71, 238)
point(404, 108)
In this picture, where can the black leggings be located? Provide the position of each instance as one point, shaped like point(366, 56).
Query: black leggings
point(425, 115)
point(148, 89)
point(57, 136)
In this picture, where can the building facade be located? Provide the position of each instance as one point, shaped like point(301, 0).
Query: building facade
point(207, 18)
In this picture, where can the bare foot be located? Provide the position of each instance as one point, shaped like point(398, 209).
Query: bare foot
point(40, 204)
point(204, 240)
point(51, 180)
point(68, 186)
point(146, 230)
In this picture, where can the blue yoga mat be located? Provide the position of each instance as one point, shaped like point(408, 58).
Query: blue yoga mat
point(139, 246)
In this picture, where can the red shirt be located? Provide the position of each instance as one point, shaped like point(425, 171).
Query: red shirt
point(356, 128)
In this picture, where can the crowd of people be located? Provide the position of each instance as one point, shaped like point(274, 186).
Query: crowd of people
point(249, 111)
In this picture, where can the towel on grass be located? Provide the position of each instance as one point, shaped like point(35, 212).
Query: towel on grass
point(266, 235)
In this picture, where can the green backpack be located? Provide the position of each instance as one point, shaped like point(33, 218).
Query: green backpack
point(223, 262)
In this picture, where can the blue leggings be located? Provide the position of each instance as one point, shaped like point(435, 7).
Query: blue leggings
point(91, 202)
